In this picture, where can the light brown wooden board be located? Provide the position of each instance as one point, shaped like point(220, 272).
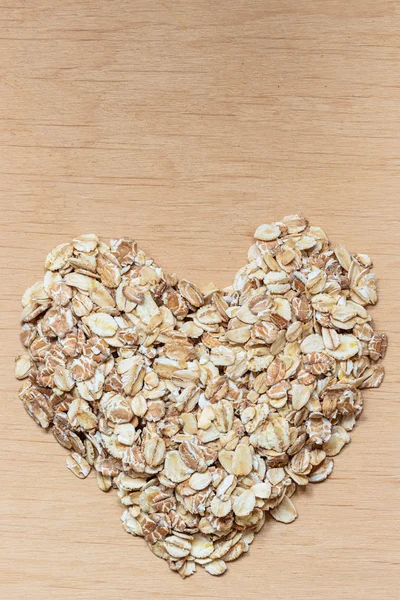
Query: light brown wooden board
point(186, 124)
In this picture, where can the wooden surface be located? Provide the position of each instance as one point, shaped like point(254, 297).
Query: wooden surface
point(185, 124)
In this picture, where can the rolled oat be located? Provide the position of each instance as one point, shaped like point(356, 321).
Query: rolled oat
point(203, 409)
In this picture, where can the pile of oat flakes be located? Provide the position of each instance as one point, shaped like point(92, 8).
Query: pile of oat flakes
point(203, 409)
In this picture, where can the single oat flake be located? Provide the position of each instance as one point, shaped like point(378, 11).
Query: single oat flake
point(204, 409)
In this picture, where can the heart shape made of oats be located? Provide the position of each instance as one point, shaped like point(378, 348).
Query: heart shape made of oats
point(204, 409)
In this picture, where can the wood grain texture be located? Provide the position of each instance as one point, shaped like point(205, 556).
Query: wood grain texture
point(185, 124)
